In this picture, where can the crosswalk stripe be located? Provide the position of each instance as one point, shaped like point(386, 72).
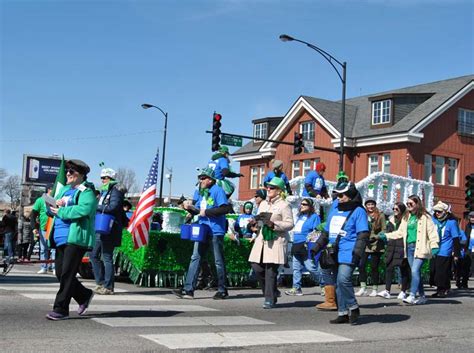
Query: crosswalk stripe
point(162, 308)
point(37, 288)
point(109, 298)
point(180, 321)
point(242, 339)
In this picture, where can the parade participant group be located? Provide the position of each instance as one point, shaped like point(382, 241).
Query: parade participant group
point(352, 234)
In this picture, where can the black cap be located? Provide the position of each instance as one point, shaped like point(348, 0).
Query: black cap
point(369, 200)
point(78, 165)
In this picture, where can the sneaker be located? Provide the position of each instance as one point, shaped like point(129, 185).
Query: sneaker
point(220, 295)
point(42, 271)
point(402, 295)
point(56, 316)
point(268, 305)
point(421, 300)
point(98, 288)
point(373, 293)
point(409, 300)
point(361, 292)
point(384, 294)
point(294, 291)
point(105, 291)
point(183, 294)
point(83, 307)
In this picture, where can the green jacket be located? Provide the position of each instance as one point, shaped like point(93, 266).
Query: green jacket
point(81, 215)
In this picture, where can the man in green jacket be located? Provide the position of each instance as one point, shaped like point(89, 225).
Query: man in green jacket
point(73, 234)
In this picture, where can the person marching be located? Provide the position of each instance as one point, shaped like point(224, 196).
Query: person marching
point(220, 163)
point(111, 201)
point(270, 246)
point(448, 231)
point(72, 235)
point(306, 222)
point(464, 263)
point(420, 241)
point(277, 171)
point(374, 250)
point(212, 205)
point(395, 256)
point(348, 224)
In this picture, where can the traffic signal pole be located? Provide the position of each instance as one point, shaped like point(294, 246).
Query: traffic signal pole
point(276, 141)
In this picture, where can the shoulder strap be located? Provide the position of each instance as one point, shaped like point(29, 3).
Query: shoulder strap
point(348, 216)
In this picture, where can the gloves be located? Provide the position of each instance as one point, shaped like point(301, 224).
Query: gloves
point(269, 224)
point(434, 251)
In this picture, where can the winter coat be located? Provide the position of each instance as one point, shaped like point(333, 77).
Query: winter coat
point(375, 244)
point(426, 239)
point(25, 232)
point(81, 215)
point(394, 252)
point(111, 202)
point(273, 251)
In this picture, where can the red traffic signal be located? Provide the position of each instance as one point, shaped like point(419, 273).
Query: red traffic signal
point(216, 131)
point(298, 143)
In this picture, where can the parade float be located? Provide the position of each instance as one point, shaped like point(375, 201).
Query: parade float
point(163, 262)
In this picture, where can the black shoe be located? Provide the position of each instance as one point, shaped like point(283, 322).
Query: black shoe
point(220, 295)
point(183, 294)
point(344, 319)
point(442, 294)
point(278, 293)
point(354, 316)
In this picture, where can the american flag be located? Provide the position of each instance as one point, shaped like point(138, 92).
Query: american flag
point(141, 218)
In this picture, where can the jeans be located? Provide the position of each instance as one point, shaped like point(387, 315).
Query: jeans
point(300, 262)
point(102, 262)
point(45, 251)
point(9, 251)
point(329, 276)
point(200, 250)
point(344, 290)
point(415, 265)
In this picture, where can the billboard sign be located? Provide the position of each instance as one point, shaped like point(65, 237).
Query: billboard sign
point(40, 169)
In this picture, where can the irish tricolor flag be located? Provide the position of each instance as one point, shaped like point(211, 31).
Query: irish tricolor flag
point(58, 184)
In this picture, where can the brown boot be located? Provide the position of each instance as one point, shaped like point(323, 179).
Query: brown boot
point(329, 299)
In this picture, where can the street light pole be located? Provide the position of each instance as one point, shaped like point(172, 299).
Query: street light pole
point(331, 59)
point(147, 106)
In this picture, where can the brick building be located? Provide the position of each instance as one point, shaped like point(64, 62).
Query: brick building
point(426, 131)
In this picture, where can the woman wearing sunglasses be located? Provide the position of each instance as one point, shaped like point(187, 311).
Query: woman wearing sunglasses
point(448, 232)
point(273, 221)
point(395, 255)
point(306, 222)
point(347, 224)
point(421, 242)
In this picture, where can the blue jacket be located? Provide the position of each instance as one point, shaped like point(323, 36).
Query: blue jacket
point(111, 202)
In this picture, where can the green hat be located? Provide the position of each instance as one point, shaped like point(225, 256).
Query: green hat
point(224, 149)
point(248, 205)
point(278, 182)
point(342, 175)
point(207, 172)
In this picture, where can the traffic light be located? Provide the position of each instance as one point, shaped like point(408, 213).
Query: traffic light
point(298, 143)
point(216, 131)
point(470, 192)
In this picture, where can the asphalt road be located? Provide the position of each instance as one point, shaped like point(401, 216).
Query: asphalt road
point(153, 320)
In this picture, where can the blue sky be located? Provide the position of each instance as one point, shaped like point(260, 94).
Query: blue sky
point(74, 71)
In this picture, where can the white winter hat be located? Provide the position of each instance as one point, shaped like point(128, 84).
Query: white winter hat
point(108, 172)
point(442, 207)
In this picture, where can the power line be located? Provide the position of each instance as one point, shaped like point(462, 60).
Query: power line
point(81, 138)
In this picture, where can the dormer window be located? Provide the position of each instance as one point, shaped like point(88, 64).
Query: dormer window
point(260, 130)
point(307, 129)
point(381, 112)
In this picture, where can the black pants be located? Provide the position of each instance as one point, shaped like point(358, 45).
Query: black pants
point(23, 250)
point(375, 261)
point(442, 272)
point(68, 260)
point(404, 271)
point(463, 268)
point(267, 277)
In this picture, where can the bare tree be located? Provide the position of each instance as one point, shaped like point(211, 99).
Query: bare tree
point(127, 178)
point(12, 188)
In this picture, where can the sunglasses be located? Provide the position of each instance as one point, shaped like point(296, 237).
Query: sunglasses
point(411, 204)
point(340, 196)
point(438, 211)
point(71, 171)
point(203, 178)
point(305, 204)
point(104, 178)
point(396, 209)
point(271, 187)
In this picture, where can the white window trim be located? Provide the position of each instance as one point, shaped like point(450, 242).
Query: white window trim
point(379, 105)
point(311, 123)
point(255, 130)
point(463, 113)
point(253, 176)
point(385, 162)
point(430, 176)
point(455, 169)
point(308, 169)
point(293, 163)
point(370, 164)
point(261, 176)
point(443, 171)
